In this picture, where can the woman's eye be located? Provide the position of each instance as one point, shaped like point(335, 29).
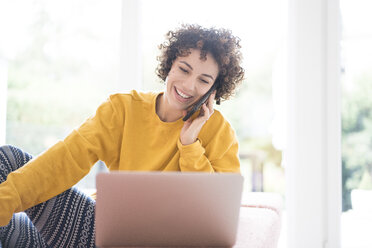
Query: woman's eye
point(184, 70)
point(204, 81)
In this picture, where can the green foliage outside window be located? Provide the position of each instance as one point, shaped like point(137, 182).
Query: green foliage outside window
point(357, 137)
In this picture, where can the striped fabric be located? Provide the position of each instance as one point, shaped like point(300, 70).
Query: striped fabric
point(66, 220)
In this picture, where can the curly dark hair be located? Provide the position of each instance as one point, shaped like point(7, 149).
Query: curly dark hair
point(220, 43)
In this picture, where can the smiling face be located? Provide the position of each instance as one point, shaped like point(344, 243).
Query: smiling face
point(189, 79)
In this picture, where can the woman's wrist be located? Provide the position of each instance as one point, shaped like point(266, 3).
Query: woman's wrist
point(188, 141)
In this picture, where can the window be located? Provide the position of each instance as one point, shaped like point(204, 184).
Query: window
point(62, 60)
point(356, 53)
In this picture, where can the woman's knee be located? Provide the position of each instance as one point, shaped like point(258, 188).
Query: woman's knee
point(11, 158)
point(20, 232)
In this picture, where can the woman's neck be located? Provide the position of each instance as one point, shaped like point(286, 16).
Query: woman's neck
point(164, 111)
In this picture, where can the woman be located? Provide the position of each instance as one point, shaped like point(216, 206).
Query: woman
point(133, 132)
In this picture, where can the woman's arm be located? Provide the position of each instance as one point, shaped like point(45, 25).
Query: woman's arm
point(193, 158)
point(64, 164)
point(216, 149)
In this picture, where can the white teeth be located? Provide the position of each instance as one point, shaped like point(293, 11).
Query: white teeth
point(183, 95)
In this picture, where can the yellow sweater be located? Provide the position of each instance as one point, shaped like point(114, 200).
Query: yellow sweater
point(126, 134)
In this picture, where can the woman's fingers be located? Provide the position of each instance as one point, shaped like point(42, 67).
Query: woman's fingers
point(210, 103)
point(205, 112)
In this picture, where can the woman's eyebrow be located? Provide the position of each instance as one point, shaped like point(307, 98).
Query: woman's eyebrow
point(207, 75)
point(188, 65)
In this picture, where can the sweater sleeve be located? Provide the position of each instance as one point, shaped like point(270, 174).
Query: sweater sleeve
point(64, 164)
point(215, 151)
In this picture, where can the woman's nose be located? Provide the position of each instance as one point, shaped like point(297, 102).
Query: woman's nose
point(189, 84)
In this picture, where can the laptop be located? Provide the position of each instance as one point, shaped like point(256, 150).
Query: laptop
point(167, 209)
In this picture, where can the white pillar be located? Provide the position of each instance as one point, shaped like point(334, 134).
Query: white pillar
point(130, 71)
point(313, 170)
point(3, 99)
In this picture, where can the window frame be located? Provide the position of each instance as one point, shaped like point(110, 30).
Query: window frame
point(3, 98)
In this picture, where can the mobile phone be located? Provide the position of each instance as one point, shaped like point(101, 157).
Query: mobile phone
point(200, 102)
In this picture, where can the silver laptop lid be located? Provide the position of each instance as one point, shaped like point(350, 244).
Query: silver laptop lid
point(167, 209)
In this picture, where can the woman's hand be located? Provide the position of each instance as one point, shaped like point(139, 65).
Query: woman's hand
point(191, 128)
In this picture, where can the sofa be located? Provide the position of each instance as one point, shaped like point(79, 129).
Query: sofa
point(260, 220)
